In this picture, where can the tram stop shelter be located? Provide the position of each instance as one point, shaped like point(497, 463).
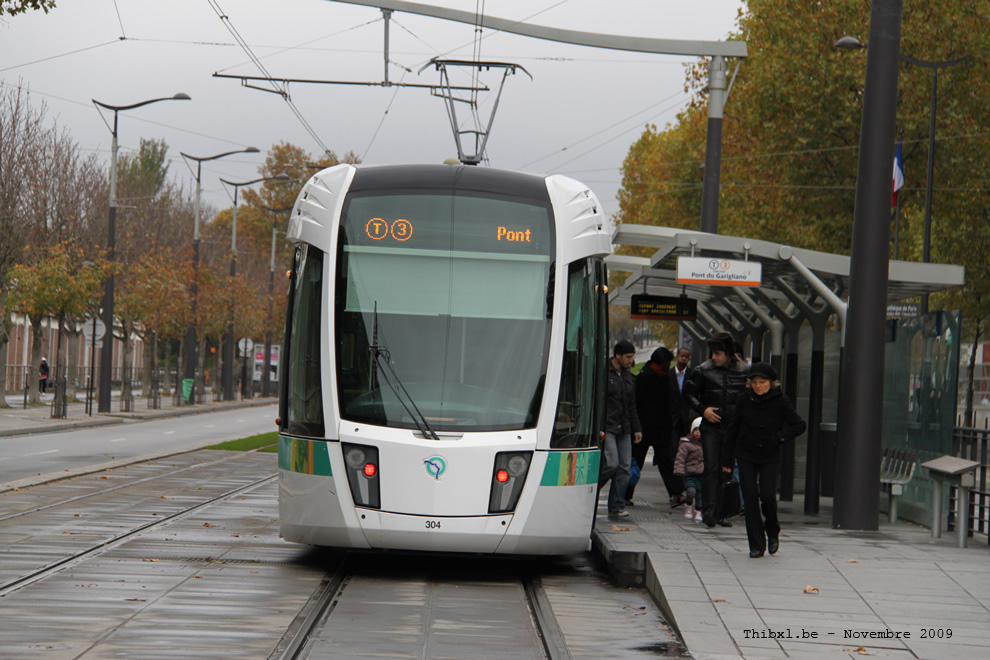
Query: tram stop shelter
point(792, 286)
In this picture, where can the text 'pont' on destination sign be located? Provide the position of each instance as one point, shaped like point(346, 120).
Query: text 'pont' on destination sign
point(718, 272)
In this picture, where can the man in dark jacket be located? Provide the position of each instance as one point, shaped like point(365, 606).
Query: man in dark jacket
point(658, 405)
point(680, 375)
point(712, 392)
point(622, 427)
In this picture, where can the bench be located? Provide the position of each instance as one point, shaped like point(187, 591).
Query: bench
point(897, 467)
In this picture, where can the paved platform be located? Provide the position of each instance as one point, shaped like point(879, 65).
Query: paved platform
point(18, 419)
point(895, 592)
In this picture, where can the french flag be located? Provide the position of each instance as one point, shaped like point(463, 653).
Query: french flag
point(898, 181)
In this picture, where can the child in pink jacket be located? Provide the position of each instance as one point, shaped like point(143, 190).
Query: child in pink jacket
point(690, 464)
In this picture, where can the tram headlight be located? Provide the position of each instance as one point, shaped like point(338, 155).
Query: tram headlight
point(362, 467)
point(518, 464)
point(354, 457)
point(508, 478)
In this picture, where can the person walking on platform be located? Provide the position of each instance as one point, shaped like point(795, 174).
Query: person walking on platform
point(622, 427)
point(657, 402)
point(690, 464)
point(764, 420)
point(711, 392)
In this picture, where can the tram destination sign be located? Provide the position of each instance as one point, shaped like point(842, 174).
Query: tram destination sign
point(663, 308)
point(718, 272)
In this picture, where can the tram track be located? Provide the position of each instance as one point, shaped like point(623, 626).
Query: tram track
point(110, 489)
point(117, 539)
point(297, 643)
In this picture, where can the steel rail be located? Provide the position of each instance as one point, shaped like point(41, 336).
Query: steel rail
point(59, 564)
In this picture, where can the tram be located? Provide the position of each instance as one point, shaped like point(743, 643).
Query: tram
point(444, 356)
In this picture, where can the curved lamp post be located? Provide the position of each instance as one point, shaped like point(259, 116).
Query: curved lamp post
point(926, 255)
point(106, 354)
point(192, 347)
point(228, 349)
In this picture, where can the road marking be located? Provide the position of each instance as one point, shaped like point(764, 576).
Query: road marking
point(118, 439)
point(50, 451)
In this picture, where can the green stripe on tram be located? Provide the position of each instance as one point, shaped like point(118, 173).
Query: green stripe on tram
point(304, 456)
point(571, 468)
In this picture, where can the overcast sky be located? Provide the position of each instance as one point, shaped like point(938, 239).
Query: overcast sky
point(578, 115)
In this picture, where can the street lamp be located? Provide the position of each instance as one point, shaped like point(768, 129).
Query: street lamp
point(266, 373)
point(926, 255)
point(106, 355)
point(228, 349)
point(191, 342)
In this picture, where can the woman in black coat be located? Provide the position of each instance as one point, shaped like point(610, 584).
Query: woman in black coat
point(658, 407)
point(764, 420)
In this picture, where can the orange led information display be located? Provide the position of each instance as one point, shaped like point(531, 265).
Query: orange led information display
point(512, 236)
point(379, 228)
point(663, 308)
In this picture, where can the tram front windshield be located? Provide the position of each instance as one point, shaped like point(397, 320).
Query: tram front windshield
point(453, 292)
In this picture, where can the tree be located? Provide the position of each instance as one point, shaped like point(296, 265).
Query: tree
point(63, 284)
point(48, 193)
point(150, 295)
point(791, 136)
point(14, 7)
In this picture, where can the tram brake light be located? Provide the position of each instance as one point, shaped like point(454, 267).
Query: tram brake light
point(361, 466)
point(508, 478)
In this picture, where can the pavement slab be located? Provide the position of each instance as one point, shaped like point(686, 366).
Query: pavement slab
point(895, 592)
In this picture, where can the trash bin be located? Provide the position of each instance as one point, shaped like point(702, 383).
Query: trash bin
point(187, 389)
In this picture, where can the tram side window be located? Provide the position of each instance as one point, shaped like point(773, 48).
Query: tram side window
point(305, 391)
point(575, 401)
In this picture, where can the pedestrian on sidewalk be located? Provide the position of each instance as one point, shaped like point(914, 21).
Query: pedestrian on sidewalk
point(622, 427)
point(712, 391)
point(690, 465)
point(764, 420)
point(658, 406)
point(43, 372)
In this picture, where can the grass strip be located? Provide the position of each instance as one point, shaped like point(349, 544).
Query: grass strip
point(267, 442)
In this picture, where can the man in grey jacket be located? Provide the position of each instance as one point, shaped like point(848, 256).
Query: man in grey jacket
point(622, 427)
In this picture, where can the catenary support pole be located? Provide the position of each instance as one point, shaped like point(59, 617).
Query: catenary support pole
point(860, 422)
point(713, 147)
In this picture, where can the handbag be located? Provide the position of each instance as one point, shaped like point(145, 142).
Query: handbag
point(727, 503)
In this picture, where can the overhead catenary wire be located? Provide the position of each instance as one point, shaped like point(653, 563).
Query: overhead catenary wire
point(283, 92)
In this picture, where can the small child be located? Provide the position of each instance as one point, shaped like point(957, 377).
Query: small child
point(690, 464)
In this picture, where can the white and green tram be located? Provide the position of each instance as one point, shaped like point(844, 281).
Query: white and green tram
point(444, 356)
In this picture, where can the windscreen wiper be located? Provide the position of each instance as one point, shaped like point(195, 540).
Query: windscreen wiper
point(381, 355)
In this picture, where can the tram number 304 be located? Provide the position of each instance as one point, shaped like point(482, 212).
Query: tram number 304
point(432, 524)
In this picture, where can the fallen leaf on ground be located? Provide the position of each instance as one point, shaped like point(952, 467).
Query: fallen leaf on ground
point(851, 561)
point(197, 576)
point(167, 497)
point(808, 589)
point(104, 477)
point(616, 528)
point(861, 650)
point(137, 600)
point(718, 601)
point(208, 525)
point(150, 559)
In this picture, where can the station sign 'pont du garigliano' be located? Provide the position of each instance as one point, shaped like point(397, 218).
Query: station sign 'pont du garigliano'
point(718, 272)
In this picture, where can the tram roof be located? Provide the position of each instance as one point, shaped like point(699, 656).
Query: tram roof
point(781, 265)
